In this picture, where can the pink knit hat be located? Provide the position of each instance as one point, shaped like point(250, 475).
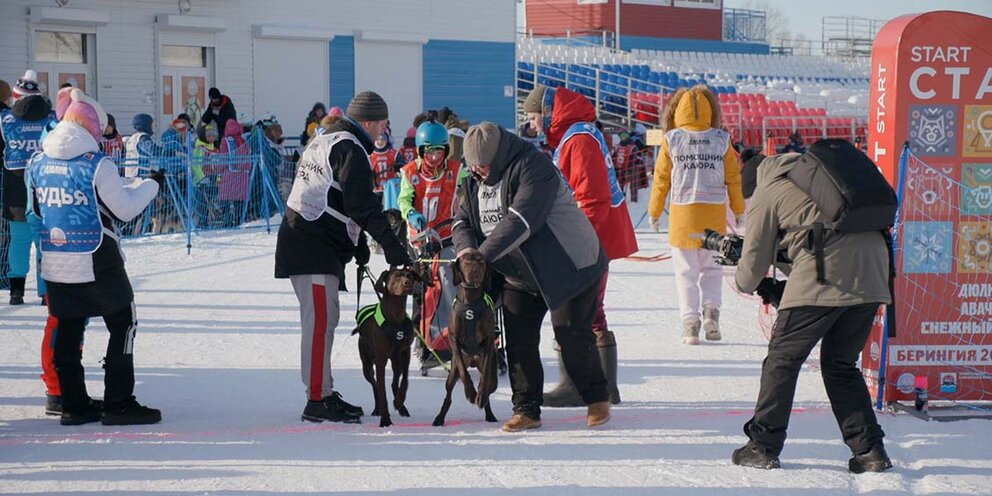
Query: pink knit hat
point(87, 113)
point(62, 101)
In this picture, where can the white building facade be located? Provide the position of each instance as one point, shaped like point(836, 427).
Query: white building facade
point(270, 57)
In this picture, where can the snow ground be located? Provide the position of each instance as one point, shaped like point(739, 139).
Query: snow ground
point(218, 351)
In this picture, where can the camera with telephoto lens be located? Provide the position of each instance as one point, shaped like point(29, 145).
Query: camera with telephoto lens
point(729, 246)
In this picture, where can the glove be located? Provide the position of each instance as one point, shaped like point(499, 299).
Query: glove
point(362, 254)
point(770, 290)
point(158, 176)
point(416, 220)
point(396, 255)
point(655, 224)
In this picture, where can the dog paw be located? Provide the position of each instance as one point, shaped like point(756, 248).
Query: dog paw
point(375, 412)
point(438, 422)
point(385, 422)
point(491, 418)
point(402, 411)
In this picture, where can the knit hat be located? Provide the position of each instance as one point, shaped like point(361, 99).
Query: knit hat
point(142, 123)
point(368, 106)
point(87, 113)
point(27, 85)
point(4, 91)
point(214, 93)
point(335, 111)
point(62, 101)
point(535, 100)
point(481, 144)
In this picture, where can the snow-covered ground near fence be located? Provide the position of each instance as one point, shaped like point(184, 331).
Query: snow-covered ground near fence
point(218, 351)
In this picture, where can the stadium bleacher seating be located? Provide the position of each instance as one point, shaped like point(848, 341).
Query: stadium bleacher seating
point(763, 97)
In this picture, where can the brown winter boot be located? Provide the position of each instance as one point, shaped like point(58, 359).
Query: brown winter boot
point(598, 414)
point(520, 422)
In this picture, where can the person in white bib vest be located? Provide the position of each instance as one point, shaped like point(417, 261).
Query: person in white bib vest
point(331, 204)
point(699, 168)
point(77, 193)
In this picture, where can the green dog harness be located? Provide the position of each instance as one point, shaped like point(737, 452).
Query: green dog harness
point(398, 333)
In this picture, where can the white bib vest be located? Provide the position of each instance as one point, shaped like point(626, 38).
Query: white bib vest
point(132, 159)
point(697, 166)
point(490, 207)
point(315, 178)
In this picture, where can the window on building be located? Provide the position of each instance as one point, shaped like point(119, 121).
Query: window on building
point(662, 3)
point(59, 47)
point(184, 56)
point(699, 4)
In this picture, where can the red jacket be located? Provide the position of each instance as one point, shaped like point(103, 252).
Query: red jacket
point(582, 163)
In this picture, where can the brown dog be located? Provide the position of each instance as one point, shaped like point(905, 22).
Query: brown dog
point(385, 333)
point(472, 336)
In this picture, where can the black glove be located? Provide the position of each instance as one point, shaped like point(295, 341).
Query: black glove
point(396, 255)
point(158, 176)
point(362, 253)
point(770, 290)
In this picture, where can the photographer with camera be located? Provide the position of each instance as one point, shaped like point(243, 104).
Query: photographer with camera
point(839, 276)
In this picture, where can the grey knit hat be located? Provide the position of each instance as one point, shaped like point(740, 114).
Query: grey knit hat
point(481, 144)
point(535, 100)
point(368, 106)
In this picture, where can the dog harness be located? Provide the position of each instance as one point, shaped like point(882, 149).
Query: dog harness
point(471, 311)
point(374, 311)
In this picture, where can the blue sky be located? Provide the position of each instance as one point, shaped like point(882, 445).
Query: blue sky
point(805, 15)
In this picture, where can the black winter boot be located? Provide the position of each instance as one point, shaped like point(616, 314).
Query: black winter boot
point(754, 456)
point(564, 394)
point(353, 410)
point(130, 413)
point(606, 343)
point(873, 460)
point(16, 290)
point(328, 410)
point(89, 413)
point(53, 405)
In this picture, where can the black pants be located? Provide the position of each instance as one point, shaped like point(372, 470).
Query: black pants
point(844, 331)
point(523, 314)
point(118, 364)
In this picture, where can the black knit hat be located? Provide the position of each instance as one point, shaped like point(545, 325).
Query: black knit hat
point(368, 106)
point(214, 93)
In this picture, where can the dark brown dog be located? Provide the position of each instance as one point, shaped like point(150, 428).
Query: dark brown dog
point(472, 336)
point(386, 337)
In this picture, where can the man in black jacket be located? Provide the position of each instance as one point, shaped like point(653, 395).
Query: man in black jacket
point(331, 204)
point(220, 110)
point(519, 213)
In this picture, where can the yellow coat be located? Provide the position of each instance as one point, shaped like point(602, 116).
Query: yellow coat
point(687, 222)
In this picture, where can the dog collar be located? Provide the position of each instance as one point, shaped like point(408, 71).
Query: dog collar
point(485, 297)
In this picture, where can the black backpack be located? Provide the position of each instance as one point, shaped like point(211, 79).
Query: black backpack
point(846, 187)
point(851, 195)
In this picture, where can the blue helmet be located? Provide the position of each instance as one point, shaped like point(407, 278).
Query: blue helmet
point(431, 133)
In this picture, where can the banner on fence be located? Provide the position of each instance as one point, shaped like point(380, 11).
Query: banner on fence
point(931, 90)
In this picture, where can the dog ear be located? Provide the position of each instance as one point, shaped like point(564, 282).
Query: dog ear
point(487, 280)
point(380, 284)
point(456, 273)
point(416, 276)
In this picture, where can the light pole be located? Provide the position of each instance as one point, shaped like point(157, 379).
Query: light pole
point(616, 28)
